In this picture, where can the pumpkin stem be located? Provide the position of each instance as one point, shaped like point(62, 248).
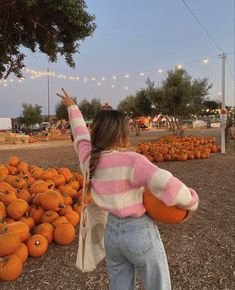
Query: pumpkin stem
point(61, 206)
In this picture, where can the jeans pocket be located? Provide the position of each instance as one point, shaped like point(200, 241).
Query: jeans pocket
point(138, 240)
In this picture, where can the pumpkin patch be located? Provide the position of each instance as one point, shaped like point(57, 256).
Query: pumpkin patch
point(171, 148)
point(37, 206)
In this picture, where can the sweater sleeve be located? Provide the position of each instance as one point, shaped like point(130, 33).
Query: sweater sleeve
point(81, 135)
point(169, 189)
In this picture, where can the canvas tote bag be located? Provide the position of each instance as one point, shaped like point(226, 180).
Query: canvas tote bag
point(91, 234)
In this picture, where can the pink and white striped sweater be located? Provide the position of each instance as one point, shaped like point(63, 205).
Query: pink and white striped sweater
point(120, 177)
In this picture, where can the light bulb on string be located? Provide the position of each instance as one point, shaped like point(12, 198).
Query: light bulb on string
point(126, 88)
point(103, 78)
point(142, 74)
point(98, 83)
point(205, 61)
point(93, 78)
point(179, 66)
point(127, 76)
point(114, 77)
point(160, 70)
point(113, 86)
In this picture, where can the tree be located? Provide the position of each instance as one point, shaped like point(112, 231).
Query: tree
point(51, 27)
point(89, 109)
point(61, 110)
point(178, 97)
point(96, 106)
point(31, 115)
point(130, 107)
point(209, 107)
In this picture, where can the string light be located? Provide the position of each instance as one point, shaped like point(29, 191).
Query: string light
point(33, 74)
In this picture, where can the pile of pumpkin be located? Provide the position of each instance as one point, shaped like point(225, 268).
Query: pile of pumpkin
point(37, 207)
point(172, 147)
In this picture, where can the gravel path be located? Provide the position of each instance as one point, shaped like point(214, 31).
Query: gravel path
point(200, 252)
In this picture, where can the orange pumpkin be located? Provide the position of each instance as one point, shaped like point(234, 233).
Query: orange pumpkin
point(52, 200)
point(37, 245)
point(67, 189)
point(13, 161)
point(2, 210)
point(12, 169)
point(6, 186)
point(46, 230)
point(36, 212)
point(48, 216)
point(59, 179)
point(28, 220)
point(67, 208)
point(66, 173)
point(72, 217)
point(159, 212)
point(77, 207)
point(36, 172)
point(67, 199)
point(15, 181)
point(47, 174)
point(11, 267)
point(23, 194)
point(23, 166)
point(22, 252)
point(64, 234)
point(74, 184)
point(17, 208)
point(7, 197)
point(59, 220)
point(9, 242)
point(19, 228)
point(39, 187)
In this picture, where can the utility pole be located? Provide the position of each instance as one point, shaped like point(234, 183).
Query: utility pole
point(223, 113)
point(48, 91)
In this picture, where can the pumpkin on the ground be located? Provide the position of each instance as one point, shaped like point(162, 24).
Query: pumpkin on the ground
point(64, 234)
point(37, 245)
point(11, 267)
point(9, 242)
point(17, 208)
point(19, 228)
point(22, 252)
point(46, 230)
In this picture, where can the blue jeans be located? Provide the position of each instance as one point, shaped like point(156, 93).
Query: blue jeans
point(133, 245)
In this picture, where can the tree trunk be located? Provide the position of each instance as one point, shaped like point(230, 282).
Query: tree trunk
point(175, 126)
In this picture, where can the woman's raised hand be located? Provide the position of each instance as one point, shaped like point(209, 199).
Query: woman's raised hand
point(66, 98)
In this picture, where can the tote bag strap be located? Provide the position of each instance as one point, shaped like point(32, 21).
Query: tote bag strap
point(84, 192)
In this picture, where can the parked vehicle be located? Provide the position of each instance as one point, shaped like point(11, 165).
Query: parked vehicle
point(5, 124)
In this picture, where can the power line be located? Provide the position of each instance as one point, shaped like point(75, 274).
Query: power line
point(230, 70)
point(203, 28)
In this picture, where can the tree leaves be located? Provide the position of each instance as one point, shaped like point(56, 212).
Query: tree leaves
point(52, 27)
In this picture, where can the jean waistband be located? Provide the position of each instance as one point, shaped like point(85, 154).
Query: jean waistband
point(112, 219)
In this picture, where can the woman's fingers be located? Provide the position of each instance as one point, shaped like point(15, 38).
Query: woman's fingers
point(62, 97)
point(65, 93)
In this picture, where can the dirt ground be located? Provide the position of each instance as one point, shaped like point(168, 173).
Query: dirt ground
point(200, 252)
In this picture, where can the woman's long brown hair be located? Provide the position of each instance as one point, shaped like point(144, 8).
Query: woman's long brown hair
point(109, 128)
